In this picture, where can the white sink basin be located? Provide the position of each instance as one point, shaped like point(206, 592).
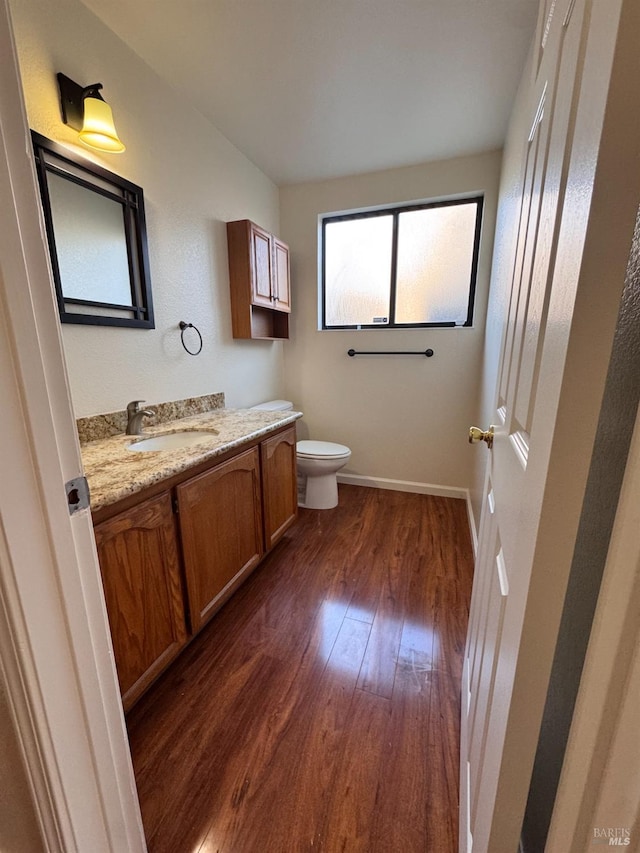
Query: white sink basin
point(172, 440)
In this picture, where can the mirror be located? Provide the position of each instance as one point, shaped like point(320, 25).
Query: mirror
point(97, 240)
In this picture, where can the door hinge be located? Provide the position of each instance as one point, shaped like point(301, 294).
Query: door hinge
point(77, 494)
point(174, 505)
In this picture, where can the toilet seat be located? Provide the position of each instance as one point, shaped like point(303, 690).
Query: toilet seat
point(321, 450)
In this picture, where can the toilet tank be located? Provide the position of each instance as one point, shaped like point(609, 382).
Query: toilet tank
point(275, 406)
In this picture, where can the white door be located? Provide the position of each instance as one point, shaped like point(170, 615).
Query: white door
point(524, 547)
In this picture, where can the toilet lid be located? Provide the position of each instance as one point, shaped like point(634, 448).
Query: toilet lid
point(274, 406)
point(327, 449)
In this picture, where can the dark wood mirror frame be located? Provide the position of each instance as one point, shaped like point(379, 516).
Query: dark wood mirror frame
point(55, 160)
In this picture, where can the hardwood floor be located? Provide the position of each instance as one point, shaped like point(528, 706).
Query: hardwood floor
point(319, 710)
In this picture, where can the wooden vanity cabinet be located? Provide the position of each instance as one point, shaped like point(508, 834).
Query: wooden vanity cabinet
point(279, 486)
point(139, 562)
point(259, 280)
point(220, 516)
point(170, 561)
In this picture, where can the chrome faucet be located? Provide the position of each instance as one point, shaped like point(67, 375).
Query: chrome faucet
point(134, 417)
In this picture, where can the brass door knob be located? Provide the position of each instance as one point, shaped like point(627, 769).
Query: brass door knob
point(476, 435)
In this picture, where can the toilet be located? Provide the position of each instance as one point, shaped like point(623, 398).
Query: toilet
point(318, 463)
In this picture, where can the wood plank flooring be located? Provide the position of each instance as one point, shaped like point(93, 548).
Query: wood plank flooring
point(319, 710)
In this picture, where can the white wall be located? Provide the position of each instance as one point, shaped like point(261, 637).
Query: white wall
point(194, 180)
point(404, 418)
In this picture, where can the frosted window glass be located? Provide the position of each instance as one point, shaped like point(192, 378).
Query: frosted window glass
point(358, 271)
point(435, 257)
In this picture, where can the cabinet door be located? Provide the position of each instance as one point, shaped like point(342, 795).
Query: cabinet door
point(141, 577)
point(262, 267)
point(279, 487)
point(281, 286)
point(221, 524)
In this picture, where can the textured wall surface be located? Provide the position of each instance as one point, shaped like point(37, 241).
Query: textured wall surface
point(404, 418)
point(194, 180)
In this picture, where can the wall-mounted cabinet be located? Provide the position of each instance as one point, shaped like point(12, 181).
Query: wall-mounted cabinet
point(170, 560)
point(260, 282)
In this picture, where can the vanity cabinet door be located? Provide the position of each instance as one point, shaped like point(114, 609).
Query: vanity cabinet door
point(279, 485)
point(221, 526)
point(140, 570)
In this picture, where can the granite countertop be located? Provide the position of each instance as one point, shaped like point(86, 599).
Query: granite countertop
point(113, 472)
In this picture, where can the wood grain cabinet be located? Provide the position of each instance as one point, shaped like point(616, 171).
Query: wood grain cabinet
point(220, 516)
point(260, 282)
point(166, 574)
point(139, 561)
point(281, 275)
point(279, 492)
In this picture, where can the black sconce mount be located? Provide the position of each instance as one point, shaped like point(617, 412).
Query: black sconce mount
point(72, 99)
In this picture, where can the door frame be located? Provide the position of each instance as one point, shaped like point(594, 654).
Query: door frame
point(56, 660)
point(598, 784)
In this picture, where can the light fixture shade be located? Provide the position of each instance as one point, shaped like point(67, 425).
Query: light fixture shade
point(98, 130)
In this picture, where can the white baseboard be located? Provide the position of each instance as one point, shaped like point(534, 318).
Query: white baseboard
point(404, 486)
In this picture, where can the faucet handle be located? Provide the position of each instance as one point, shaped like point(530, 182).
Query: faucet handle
point(133, 407)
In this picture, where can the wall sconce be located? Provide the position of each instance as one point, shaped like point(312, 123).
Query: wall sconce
point(84, 109)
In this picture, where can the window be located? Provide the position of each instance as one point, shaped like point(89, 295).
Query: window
point(401, 267)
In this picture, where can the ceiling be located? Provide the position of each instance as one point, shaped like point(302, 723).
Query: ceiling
point(314, 89)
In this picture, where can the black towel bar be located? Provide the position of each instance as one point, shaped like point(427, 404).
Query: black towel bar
point(427, 352)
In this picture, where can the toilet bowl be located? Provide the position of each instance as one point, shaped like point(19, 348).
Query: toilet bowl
point(318, 463)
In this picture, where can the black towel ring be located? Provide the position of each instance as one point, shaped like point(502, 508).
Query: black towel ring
point(184, 326)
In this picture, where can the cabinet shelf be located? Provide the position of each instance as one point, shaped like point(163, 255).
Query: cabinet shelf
point(267, 324)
